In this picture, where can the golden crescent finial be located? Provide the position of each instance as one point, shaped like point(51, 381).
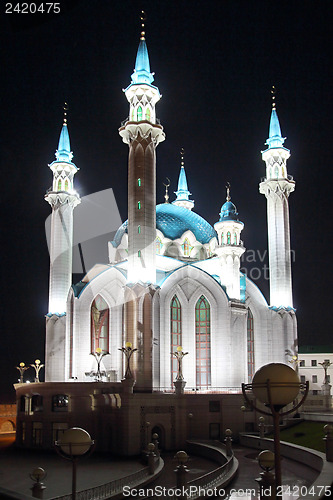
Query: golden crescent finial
point(143, 19)
point(65, 108)
point(166, 196)
point(273, 92)
point(182, 153)
point(228, 198)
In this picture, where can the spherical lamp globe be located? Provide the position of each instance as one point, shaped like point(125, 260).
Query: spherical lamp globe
point(75, 441)
point(284, 384)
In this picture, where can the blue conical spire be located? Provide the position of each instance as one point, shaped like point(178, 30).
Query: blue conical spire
point(275, 139)
point(182, 192)
point(63, 152)
point(142, 72)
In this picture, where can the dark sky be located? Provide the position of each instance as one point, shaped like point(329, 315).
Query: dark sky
point(215, 62)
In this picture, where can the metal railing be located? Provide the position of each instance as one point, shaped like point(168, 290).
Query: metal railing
point(105, 491)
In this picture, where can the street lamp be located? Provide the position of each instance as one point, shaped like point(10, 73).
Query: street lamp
point(99, 355)
point(179, 355)
point(22, 368)
point(128, 352)
point(326, 364)
point(37, 366)
point(73, 444)
point(276, 385)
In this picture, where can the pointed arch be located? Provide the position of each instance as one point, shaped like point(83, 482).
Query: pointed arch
point(99, 314)
point(228, 238)
point(250, 346)
point(139, 114)
point(175, 333)
point(148, 114)
point(202, 343)
point(59, 185)
point(66, 185)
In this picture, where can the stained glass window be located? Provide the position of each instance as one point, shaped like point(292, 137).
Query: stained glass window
point(99, 325)
point(59, 185)
point(228, 238)
point(139, 114)
point(175, 332)
point(202, 337)
point(158, 245)
point(66, 185)
point(148, 114)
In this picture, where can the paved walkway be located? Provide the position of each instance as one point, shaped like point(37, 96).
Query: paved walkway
point(15, 466)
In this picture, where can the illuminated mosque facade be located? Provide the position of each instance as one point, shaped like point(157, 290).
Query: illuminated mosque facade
point(173, 279)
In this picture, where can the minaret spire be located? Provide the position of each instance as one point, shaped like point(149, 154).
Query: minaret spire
point(142, 133)
point(183, 193)
point(63, 199)
point(230, 247)
point(277, 187)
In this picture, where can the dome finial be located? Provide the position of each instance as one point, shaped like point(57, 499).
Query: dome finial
point(65, 108)
point(166, 196)
point(143, 18)
point(227, 186)
point(273, 92)
point(182, 152)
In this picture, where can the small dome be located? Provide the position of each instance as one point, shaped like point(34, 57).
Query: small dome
point(173, 221)
point(228, 212)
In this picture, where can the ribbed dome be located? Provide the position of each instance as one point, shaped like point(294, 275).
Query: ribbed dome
point(173, 221)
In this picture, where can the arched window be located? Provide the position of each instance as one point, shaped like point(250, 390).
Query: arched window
point(235, 239)
point(59, 185)
point(139, 114)
point(228, 238)
point(99, 325)
point(250, 346)
point(186, 247)
point(202, 341)
point(139, 205)
point(139, 182)
point(276, 170)
point(139, 229)
point(132, 115)
point(222, 239)
point(158, 245)
point(175, 332)
point(66, 185)
point(139, 253)
point(148, 114)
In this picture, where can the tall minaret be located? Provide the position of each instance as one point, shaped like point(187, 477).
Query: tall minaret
point(276, 187)
point(63, 199)
point(142, 133)
point(182, 192)
point(230, 247)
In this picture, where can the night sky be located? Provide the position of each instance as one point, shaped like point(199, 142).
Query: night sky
point(215, 63)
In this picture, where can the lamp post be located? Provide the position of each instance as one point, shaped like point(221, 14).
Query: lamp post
point(179, 382)
point(37, 366)
point(266, 481)
point(37, 475)
point(22, 368)
point(326, 364)
point(276, 385)
point(128, 351)
point(99, 355)
point(73, 444)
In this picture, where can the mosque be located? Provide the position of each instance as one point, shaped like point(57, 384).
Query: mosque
point(173, 284)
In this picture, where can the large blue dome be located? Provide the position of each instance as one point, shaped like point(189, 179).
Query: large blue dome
point(173, 221)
